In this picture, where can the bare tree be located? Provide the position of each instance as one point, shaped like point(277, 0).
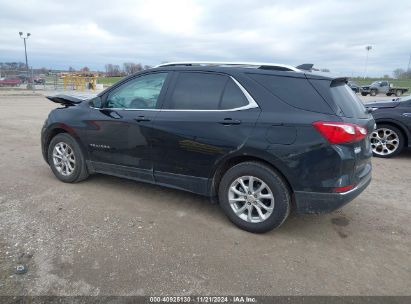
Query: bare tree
point(71, 69)
point(112, 70)
point(131, 68)
point(85, 69)
point(400, 73)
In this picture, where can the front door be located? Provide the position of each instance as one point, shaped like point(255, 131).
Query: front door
point(120, 139)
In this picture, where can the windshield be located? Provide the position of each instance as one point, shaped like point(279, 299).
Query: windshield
point(376, 83)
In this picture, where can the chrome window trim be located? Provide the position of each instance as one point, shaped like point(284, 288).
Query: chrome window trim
point(251, 104)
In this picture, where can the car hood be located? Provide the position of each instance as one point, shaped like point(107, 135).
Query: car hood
point(382, 104)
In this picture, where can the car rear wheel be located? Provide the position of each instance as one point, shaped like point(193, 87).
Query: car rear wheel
point(398, 93)
point(66, 159)
point(386, 141)
point(254, 197)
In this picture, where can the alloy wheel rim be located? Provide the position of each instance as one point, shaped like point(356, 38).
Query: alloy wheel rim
point(64, 159)
point(251, 199)
point(384, 141)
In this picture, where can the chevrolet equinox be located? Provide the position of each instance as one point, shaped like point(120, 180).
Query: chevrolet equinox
point(261, 139)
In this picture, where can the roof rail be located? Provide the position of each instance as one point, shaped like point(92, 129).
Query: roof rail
point(257, 65)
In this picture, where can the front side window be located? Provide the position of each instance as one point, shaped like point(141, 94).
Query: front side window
point(138, 93)
point(205, 91)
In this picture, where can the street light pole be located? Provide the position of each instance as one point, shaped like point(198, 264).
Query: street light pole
point(368, 49)
point(25, 53)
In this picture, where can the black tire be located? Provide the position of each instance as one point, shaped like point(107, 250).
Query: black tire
point(373, 92)
point(398, 93)
point(401, 139)
point(364, 94)
point(389, 94)
point(275, 183)
point(80, 171)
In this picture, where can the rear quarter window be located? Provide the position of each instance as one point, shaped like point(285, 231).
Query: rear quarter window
point(296, 92)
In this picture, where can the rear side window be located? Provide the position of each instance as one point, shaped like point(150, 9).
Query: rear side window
point(233, 97)
point(297, 92)
point(205, 91)
point(197, 91)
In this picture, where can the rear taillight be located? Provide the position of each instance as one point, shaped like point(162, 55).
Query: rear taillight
point(343, 189)
point(339, 132)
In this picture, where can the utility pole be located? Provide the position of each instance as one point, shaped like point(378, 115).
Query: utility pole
point(368, 48)
point(29, 85)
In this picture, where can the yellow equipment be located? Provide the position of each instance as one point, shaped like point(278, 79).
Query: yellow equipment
point(80, 81)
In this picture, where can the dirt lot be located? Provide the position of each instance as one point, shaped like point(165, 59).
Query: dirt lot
point(111, 236)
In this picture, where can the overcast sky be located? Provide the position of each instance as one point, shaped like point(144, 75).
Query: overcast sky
point(330, 34)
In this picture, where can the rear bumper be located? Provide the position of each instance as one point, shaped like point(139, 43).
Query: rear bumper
point(318, 202)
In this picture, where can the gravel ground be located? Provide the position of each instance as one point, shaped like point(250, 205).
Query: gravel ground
point(110, 236)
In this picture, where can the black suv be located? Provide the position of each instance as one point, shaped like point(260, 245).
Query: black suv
point(260, 138)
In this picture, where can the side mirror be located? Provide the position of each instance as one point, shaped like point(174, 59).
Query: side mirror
point(369, 110)
point(96, 102)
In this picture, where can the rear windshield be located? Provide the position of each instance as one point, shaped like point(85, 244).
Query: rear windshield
point(341, 98)
point(347, 101)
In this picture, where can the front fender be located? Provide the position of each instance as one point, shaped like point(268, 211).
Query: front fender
point(49, 131)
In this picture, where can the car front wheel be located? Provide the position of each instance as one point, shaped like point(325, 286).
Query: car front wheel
point(386, 141)
point(66, 159)
point(254, 197)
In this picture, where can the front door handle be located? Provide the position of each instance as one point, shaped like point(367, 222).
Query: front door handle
point(229, 121)
point(142, 118)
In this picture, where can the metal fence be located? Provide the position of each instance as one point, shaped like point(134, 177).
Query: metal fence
point(23, 79)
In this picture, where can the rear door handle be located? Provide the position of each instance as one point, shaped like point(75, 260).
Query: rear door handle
point(229, 121)
point(142, 118)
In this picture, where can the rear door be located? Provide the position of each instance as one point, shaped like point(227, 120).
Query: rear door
point(205, 116)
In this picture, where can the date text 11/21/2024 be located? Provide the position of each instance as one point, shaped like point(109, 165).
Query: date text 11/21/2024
point(203, 299)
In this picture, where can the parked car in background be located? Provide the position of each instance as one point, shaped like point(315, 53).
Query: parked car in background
point(13, 82)
point(259, 137)
point(38, 80)
point(382, 87)
point(30, 79)
point(393, 132)
point(355, 87)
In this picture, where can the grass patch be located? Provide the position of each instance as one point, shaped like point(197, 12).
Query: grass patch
point(108, 81)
